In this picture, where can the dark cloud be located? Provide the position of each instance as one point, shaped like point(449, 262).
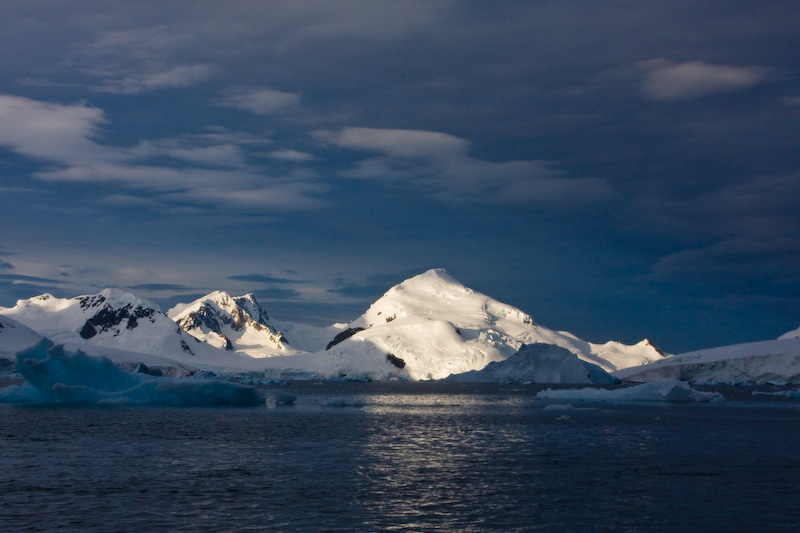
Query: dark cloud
point(360, 291)
point(261, 278)
point(370, 287)
point(744, 264)
point(161, 287)
point(6, 266)
point(19, 287)
point(320, 314)
point(555, 152)
point(10, 292)
point(31, 279)
point(439, 162)
point(275, 293)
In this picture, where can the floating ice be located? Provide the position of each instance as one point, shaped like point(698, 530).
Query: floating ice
point(55, 376)
point(565, 407)
point(538, 363)
point(794, 394)
point(342, 401)
point(667, 390)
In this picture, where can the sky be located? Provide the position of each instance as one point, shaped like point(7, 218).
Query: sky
point(620, 170)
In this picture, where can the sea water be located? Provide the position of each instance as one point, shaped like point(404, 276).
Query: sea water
point(405, 457)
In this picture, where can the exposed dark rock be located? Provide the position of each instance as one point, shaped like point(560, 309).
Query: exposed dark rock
point(88, 330)
point(390, 318)
point(208, 319)
point(186, 348)
point(343, 335)
point(656, 348)
point(88, 302)
point(142, 368)
point(110, 319)
point(228, 345)
point(396, 361)
point(204, 318)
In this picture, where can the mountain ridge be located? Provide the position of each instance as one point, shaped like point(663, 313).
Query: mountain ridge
point(233, 323)
point(426, 327)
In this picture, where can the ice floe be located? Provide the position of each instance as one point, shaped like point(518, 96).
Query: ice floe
point(667, 390)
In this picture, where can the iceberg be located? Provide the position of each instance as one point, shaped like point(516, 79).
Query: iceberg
point(666, 390)
point(53, 375)
point(793, 394)
point(538, 363)
point(343, 401)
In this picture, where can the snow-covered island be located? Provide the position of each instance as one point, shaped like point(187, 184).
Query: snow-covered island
point(428, 327)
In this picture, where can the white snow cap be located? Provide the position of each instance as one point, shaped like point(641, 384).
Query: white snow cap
point(230, 323)
point(430, 326)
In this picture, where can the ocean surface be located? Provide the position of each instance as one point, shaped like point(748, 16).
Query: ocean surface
point(405, 457)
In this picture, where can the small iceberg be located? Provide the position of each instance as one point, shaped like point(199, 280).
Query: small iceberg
point(794, 394)
point(538, 363)
point(342, 401)
point(53, 375)
point(665, 390)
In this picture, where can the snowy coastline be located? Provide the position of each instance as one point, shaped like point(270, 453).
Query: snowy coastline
point(428, 327)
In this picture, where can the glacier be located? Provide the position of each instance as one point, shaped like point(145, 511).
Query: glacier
point(774, 361)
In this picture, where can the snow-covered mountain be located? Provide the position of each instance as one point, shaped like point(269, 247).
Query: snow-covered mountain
point(122, 324)
point(756, 362)
point(231, 323)
point(427, 327)
point(431, 326)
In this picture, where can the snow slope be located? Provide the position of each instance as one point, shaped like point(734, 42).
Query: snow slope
point(431, 326)
point(123, 327)
point(538, 363)
point(307, 338)
point(795, 333)
point(15, 336)
point(757, 362)
point(231, 323)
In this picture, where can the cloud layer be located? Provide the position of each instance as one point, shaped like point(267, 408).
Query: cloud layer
point(575, 160)
point(439, 163)
point(205, 170)
point(669, 82)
